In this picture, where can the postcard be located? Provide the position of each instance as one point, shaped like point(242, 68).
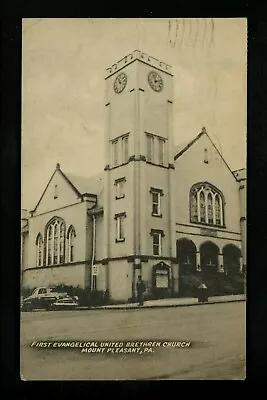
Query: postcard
point(133, 220)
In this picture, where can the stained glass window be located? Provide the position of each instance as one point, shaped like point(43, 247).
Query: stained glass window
point(39, 250)
point(202, 207)
point(62, 243)
point(71, 236)
point(194, 213)
point(49, 245)
point(206, 204)
point(210, 209)
point(55, 242)
point(56, 247)
point(217, 210)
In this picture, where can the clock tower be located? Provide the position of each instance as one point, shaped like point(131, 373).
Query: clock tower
point(139, 222)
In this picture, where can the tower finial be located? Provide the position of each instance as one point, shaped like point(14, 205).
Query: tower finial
point(204, 130)
point(58, 166)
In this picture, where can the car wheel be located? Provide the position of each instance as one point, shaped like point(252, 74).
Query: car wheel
point(27, 308)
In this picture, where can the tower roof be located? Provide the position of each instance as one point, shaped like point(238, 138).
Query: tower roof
point(141, 56)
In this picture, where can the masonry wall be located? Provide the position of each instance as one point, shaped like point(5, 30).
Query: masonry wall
point(190, 169)
point(72, 215)
point(68, 275)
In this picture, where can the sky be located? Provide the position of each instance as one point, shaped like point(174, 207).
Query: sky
point(64, 63)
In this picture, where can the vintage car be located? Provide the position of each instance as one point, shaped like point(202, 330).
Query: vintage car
point(49, 299)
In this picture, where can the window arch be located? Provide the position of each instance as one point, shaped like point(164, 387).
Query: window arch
point(39, 250)
point(231, 259)
point(55, 242)
point(206, 204)
point(186, 255)
point(209, 261)
point(70, 242)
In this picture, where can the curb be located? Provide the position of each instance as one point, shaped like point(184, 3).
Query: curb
point(164, 306)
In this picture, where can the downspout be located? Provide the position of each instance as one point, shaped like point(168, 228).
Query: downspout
point(89, 276)
point(94, 247)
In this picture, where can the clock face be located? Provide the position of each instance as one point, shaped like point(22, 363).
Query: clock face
point(155, 81)
point(120, 83)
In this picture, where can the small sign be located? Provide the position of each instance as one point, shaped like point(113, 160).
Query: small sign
point(95, 270)
point(162, 281)
point(209, 232)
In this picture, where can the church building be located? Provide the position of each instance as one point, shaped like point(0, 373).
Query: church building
point(156, 210)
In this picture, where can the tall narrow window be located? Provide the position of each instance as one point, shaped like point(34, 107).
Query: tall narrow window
point(157, 242)
point(217, 210)
point(125, 149)
point(39, 250)
point(210, 209)
point(62, 243)
point(70, 237)
point(161, 143)
point(115, 153)
point(150, 148)
point(202, 207)
point(194, 212)
point(120, 236)
point(156, 201)
point(206, 160)
point(119, 184)
point(49, 245)
point(55, 241)
point(55, 192)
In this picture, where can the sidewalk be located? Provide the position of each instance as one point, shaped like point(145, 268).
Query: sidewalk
point(175, 302)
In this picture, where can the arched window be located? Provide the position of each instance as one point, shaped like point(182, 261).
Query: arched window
point(49, 244)
point(194, 215)
point(210, 208)
point(202, 207)
point(70, 238)
point(61, 242)
point(39, 250)
point(55, 241)
point(217, 210)
point(206, 204)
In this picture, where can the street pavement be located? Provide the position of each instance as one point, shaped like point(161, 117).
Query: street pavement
point(216, 333)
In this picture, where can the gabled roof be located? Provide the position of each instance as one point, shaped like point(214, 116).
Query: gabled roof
point(79, 184)
point(182, 148)
point(84, 185)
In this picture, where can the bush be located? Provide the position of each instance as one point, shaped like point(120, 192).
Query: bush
point(218, 284)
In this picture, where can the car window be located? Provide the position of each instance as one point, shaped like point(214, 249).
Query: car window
point(42, 291)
